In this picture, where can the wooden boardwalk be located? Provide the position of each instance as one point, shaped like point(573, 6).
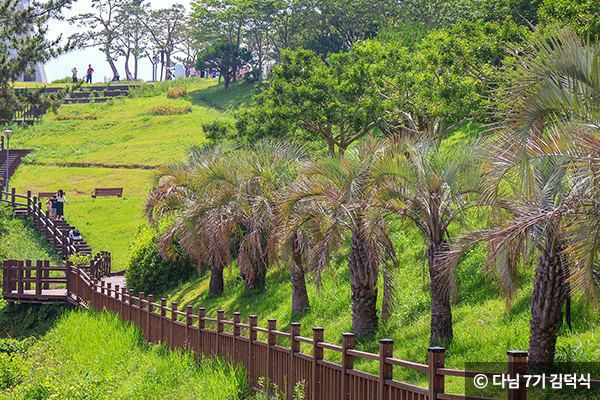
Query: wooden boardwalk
point(41, 283)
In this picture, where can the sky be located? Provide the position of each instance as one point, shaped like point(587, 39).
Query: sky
point(61, 67)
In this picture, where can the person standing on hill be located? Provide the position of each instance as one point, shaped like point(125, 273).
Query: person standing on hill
point(60, 203)
point(74, 71)
point(89, 74)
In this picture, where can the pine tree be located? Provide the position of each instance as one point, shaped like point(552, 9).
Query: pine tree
point(22, 45)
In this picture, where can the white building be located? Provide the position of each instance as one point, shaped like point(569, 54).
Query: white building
point(40, 72)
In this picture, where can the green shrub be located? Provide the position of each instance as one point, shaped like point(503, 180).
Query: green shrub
point(148, 272)
point(164, 110)
point(217, 130)
point(176, 93)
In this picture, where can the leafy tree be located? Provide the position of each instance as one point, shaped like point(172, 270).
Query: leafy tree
point(101, 28)
point(22, 45)
point(166, 30)
point(333, 100)
point(225, 57)
point(580, 15)
point(132, 39)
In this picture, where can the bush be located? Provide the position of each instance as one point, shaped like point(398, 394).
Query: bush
point(176, 93)
point(217, 130)
point(148, 272)
point(164, 110)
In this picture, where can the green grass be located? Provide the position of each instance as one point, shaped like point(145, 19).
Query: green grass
point(20, 240)
point(123, 134)
point(106, 223)
point(88, 355)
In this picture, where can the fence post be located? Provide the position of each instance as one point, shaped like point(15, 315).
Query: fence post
point(29, 203)
point(122, 306)
point(237, 318)
point(220, 315)
point(163, 316)
point(141, 295)
point(436, 381)
point(318, 335)
point(27, 274)
point(517, 366)
point(172, 327)
point(252, 335)
point(294, 348)
point(201, 325)
point(12, 198)
point(38, 277)
point(46, 274)
point(109, 298)
point(148, 316)
point(386, 371)
point(347, 363)
point(188, 323)
point(271, 341)
point(130, 298)
point(102, 301)
point(20, 277)
point(117, 301)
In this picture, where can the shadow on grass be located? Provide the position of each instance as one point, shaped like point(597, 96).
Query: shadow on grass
point(238, 96)
point(20, 321)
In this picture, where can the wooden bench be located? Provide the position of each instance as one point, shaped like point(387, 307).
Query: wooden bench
point(107, 192)
point(46, 194)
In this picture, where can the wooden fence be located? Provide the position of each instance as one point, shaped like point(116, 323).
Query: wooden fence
point(283, 364)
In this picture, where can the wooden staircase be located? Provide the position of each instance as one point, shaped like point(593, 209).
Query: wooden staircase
point(14, 160)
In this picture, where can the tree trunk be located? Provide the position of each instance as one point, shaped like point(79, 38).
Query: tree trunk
point(441, 310)
point(364, 287)
point(216, 280)
point(259, 273)
point(300, 300)
point(547, 301)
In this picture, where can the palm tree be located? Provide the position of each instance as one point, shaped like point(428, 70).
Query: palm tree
point(430, 188)
point(226, 194)
point(546, 152)
point(334, 196)
point(195, 210)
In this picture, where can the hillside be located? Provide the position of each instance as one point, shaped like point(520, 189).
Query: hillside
point(124, 136)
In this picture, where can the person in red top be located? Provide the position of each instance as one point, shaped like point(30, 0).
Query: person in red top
point(88, 79)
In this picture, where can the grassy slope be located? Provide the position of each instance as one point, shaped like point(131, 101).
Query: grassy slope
point(96, 356)
point(123, 134)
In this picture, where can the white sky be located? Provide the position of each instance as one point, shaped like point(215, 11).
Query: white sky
point(61, 67)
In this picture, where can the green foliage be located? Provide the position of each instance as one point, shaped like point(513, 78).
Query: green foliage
point(580, 15)
point(148, 272)
point(226, 57)
point(96, 356)
point(165, 110)
point(20, 240)
point(78, 259)
point(218, 129)
point(267, 390)
point(23, 44)
point(74, 117)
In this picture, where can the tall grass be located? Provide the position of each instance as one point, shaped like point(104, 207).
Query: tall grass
point(90, 355)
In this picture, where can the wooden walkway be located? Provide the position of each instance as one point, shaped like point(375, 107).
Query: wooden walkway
point(41, 283)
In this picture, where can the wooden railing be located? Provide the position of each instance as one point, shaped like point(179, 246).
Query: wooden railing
point(59, 239)
point(283, 364)
point(100, 266)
